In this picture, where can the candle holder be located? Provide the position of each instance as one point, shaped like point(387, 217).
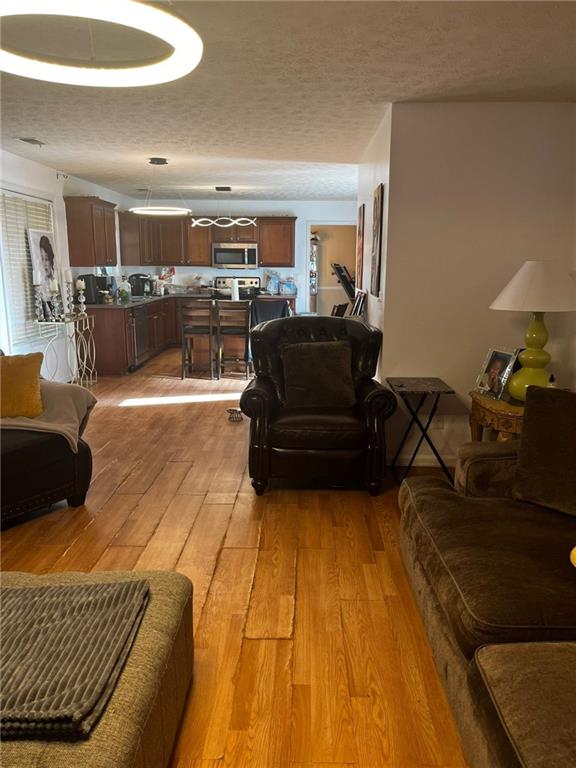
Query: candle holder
point(70, 300)
point(38, 303)
point(81, 303)
point(57, 306)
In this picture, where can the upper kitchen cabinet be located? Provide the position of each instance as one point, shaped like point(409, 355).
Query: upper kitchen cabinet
point(200, 246)
point(174, 241)
point(276, 241)
point(91, 232)
point(235, 234)
point(139, 240)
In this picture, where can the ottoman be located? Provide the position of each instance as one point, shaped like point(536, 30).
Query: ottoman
point(140, 723)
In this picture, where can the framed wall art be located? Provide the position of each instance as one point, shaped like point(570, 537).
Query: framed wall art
point(360, 247)
point(377, 240)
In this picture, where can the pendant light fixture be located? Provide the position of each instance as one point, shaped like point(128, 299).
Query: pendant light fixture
point(185, 41)
point(223, 221)
point(158, 210)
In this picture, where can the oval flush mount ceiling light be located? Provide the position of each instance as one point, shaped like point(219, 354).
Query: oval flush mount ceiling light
point(186, 43)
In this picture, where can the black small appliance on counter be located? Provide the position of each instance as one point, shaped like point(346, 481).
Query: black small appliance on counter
point(138, 281)
point(96, 283)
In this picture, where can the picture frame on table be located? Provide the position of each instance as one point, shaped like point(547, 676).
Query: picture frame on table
point(496, 370)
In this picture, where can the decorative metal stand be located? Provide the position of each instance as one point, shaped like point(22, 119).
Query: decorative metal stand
point(78, 336)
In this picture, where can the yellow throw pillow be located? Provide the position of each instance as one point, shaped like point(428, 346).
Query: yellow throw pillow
point(20, 385)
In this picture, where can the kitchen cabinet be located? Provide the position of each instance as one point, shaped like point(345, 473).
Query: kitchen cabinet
point(235, 234)
point(276, 241)
point(174, 241)
point(113, 339)
point(200, 246)
point(139, 240)
point(91, 224)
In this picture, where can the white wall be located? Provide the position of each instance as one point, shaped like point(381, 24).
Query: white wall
point(373, 170)
point(475, 190)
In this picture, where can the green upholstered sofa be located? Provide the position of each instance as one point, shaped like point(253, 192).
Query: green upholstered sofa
point(489, 564)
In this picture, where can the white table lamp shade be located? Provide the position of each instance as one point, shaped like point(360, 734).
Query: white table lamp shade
point(539, 286)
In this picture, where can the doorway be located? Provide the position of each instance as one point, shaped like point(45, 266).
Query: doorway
point(334, 243)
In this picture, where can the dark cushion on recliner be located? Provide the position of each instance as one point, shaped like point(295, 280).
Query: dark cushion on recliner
point(546, 472)
point(318, 375)
point(268, 338)
point(322, 429)
point(499, 568)
point(531, 697)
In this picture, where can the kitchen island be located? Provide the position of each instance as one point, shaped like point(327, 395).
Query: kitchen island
point(127, 335)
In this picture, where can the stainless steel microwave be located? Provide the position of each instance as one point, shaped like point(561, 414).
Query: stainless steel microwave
point(235, 255)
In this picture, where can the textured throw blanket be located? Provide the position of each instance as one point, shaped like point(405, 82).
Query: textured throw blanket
point(66, 411)
point(63, 649)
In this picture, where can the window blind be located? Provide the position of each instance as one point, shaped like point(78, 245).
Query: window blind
point(17, 215)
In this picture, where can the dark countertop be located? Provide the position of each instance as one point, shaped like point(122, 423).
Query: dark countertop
point(140, 301)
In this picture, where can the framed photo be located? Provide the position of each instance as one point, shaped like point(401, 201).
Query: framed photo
point(496, 371)
point(359, 304)
point(360, 247)
point(377, 240)
point(44, 270)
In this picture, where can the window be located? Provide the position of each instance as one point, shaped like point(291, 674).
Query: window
point(17, 215)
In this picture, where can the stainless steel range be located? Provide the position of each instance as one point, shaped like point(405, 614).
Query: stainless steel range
point(248, 287)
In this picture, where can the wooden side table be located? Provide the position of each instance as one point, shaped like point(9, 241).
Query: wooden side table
point(500, 415)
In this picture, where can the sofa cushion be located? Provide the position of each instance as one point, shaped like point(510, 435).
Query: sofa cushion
point(547, 456)
point(326, 429)
point(318, 375)
point(500, 568)
point(532, 696)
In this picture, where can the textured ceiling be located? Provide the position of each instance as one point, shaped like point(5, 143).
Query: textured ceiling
point(287, 94)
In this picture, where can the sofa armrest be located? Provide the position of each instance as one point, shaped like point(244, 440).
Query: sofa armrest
point(486, 469)
point(259, 398)
point(376, 401)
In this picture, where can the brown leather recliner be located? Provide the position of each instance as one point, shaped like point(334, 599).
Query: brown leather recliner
point(345, 446)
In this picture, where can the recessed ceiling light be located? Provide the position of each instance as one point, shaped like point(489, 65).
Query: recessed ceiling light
point(34, 142)
point(223, 189)
point(185, 41)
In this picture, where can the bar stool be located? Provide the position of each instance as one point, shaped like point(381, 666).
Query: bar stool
point(232, 320)
point(197, 318)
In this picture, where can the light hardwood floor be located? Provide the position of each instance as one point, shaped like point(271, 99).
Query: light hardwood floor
point(310, 652)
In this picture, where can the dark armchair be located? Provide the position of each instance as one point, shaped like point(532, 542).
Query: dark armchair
point(343, 445)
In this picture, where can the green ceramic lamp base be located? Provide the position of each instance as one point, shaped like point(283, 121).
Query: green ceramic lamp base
point(533, 359)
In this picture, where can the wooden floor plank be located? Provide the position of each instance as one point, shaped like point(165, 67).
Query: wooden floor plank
point(167, 542)
point(118, 559)
point(218, 645)
point(271, 610)
point(320, 663)
point(91, 544)
point(261, 706)
point(201, 550)
point(246, 521)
